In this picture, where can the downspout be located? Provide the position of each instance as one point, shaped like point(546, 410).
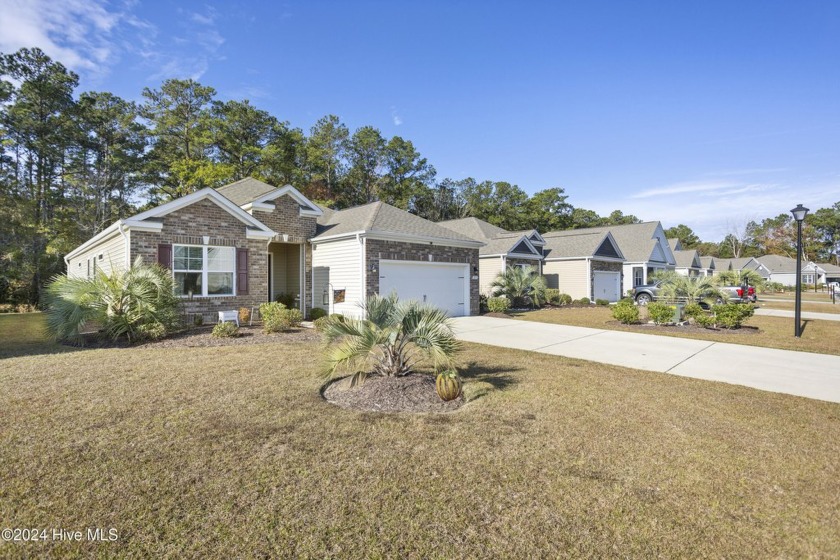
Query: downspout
point(127, 247)
point(363, 266)
point(591, 287)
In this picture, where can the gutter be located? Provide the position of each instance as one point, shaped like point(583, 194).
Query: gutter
point(127, 246)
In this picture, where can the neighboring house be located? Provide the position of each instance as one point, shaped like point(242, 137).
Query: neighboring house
point(644, 248)
point(832, 272)
point(501, 248)
point(584, 264)
point(687, 261)
point(707, 266)
point(248, 242)
point(783, 270)
point(743, 263)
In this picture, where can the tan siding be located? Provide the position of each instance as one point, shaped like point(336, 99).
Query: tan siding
point(488, 269)
point(112, 250)
point(570, 277)
point(338, 263)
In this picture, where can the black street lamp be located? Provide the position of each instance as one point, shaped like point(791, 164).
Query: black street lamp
point(799, 214)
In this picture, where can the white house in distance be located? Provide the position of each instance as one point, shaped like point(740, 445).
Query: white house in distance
point(687, 260)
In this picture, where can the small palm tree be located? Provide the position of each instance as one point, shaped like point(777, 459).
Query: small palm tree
point(133, 303)
point(390, 340)
point(740, 278)
point(521, 285)
point(691, 289)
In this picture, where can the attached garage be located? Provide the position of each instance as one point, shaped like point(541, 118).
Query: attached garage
point(607, 285)
point(446, 285)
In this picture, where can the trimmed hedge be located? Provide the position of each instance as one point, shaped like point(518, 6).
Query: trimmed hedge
point(498, 304)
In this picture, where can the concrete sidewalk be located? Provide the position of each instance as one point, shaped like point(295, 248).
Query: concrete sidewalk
point(816, 376)
point(805, 314)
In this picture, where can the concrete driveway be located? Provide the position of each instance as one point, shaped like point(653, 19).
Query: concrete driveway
point(816, 376)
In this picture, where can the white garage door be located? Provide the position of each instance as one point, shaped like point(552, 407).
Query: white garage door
point(442, 284)
point(607, 285)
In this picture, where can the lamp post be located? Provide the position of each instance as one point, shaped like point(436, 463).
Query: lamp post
point(799, 214)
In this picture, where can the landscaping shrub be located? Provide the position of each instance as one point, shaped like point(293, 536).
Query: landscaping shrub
point(602, 302)
point(521, 285)
point(565, 299)
point(626, 312)
point(320, 323)
point(498, 304)
point(482, 303)
point(694, 310)
point(660, 313)
point(198, 319)
point(134, 304)
point(226, 329)
point(317, 313)
point(244, 315)
point(552, 296)
point(287, 299)
point(277, 317)
point(732, 315)
point(583, 301)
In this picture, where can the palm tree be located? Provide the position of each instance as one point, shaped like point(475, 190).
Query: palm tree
point(133, 303)
point(692, 289)
point(740, 278)
point(521, 285)
point(390, 340)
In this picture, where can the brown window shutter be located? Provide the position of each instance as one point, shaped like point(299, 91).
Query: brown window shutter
point(242, 272)
point(164, 255)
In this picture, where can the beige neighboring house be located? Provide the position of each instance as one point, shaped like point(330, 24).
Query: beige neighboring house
point(687, 261)
point(743, 263)
point(584, 264)
point(783, 270)
point(501, 249)
point(248, 242)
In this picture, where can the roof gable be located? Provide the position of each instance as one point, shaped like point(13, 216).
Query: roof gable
point(307, 207)
point(575, 244)
point(608, 248)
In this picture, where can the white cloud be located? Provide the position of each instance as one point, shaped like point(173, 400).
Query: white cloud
point(78, 33)
point(396, 117)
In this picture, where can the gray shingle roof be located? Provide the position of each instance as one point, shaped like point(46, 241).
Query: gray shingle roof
point(707, 262)
point(572, 243)
point(474, 228)
point(778, 264)
point(245, 190)
point(636, 241)
point(379, 217)
point(686, 259)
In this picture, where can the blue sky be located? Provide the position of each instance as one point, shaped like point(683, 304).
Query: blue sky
point(704, 113)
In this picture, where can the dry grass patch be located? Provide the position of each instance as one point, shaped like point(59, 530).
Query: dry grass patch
point(772, 332)
point(230, 452)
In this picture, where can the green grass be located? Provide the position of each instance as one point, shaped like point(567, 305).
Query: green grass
point(229, 452)
point(774, 332)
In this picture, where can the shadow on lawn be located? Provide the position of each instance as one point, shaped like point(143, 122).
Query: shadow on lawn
point(491, 378)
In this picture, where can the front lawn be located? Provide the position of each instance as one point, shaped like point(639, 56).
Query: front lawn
point(229, 452)
point(773, 332)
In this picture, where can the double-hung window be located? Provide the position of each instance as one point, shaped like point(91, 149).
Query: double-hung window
point(204, 271)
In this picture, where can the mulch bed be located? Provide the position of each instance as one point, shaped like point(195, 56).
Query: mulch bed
point(412, 393)
point(651, 328)
point(202, 337)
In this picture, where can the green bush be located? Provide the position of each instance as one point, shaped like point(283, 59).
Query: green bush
point(564, 299)
point(317, 313)
point(705, 320)
point(552, 296)
point(482, 303)
point(287, 299)
point(626, 312)
point(583, 301)
point(498, 304)
point(226, 329)
point(694, 310)
point(320, 323)
point(276, 317)
point(602, 302)
point(660, 313)
point(732, 315)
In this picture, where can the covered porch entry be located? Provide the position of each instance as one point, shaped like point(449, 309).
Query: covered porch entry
point(286, 273)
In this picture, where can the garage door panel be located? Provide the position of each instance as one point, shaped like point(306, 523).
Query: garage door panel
point(607, 286)
point(441, 284)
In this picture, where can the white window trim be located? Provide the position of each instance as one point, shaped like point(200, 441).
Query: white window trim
point(204, 271)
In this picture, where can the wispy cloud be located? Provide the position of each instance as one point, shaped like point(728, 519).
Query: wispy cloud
point(396, 117)
point(78, 33)
point(686, 187)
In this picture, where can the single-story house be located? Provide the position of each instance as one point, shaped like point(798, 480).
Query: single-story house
point(501, 248)
point(248, 242)
point(743, 263)
point(687, 261)
point(584, 264)
point(644, 248)
point(783, 270)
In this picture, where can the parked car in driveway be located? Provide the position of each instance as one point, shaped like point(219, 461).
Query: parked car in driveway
point(647, 293)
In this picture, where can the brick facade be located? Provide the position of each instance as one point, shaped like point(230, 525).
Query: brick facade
point(188, 226)
point(376, 249)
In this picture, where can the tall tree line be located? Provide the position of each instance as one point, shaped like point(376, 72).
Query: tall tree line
point(71, 164)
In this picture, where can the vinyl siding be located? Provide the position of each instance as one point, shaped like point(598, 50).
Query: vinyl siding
point(112, 251)
point(570, 277)
point(338, 263)
point(488, 269)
